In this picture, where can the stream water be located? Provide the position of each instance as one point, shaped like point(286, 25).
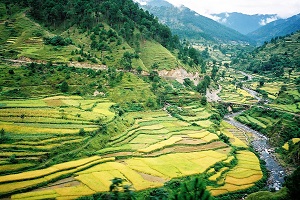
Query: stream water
point(260, 144)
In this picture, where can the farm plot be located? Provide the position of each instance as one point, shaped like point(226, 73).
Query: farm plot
point(156, 149)
point(98, 178)
point(294, 141)
point(39, 126)
point(242, 176)
point(154, 133)
point(237, 137)
point(25, 180)
point(229, 93)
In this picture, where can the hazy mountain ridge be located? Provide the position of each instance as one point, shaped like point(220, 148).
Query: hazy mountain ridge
point(191, 25)
point(244, 23)
point(276, 28)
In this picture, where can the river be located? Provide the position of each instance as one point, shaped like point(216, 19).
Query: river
point(261, 145)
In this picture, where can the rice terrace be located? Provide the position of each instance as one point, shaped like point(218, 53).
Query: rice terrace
point(154, 150)
point(148, 100)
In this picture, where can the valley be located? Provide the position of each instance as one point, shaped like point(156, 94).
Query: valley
point(105, 106)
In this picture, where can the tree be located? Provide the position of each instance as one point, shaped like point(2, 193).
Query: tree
point(214, 72)
point(126, 60)
point(81, 132)
point(12, 159)
point(224, 138)
point(188, 83)
point(261, 82)
point(115, 188)
point(154, 66)
point(22, 116)
point(239, 85)
point(203, 68)
point(283, 88)
point(3, 137)
point(203, 100)
point(64, 87)
point(159, 194)
point(150, 103)
point(11, 71)
point(203, 85)
point(290, 72)
point(226, 65)
point(139, 70)
point(196, 190)
point(153, 76)
point(293, 184)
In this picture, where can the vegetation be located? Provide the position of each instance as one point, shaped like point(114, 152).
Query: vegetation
point(279, 126)
point(273, 57)
point(88, 94)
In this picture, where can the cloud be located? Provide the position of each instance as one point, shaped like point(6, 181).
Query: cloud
point(216, 18)
point(283, 9)
point(268, 20)
point(142, 2)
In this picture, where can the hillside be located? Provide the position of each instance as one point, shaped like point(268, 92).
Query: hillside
point(119, 42)
point(280, 27)
point(99, 100)
point(188, 24)
point(244, 23)
point(273, 58)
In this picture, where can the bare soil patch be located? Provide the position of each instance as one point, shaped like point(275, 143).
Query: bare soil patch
point(152, 178)
point(67, 182)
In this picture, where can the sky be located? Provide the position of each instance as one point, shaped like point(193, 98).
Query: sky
point(283, 8)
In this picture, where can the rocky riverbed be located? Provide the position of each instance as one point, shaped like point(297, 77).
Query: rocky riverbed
point(266, 152)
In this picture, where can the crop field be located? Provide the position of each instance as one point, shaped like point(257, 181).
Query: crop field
point(237, 137)
point(294, 141)
point(272, 88)
point(149, 51)
point(74, 116)
point(39, 126)
point(242, 176)
point(160, 148)
point(230, 93)
point(289, 107)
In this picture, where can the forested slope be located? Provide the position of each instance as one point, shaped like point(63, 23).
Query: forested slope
point(106, 32)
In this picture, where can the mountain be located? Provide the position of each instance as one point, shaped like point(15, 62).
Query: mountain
point(190, 25)
point(273, 58)
point(244, 23)
point(277, 28)
point(79, 31)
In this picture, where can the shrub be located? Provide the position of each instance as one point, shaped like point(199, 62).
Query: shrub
point(64, 87)
point(11, 71)
point(12, 159)
point(58, 41)
point(81, 132)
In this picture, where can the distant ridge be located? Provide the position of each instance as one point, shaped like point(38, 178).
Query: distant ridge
point(244, 23)
point(191, 25)
point(279, 27)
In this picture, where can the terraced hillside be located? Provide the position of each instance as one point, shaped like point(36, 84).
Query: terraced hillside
point(88, 96)
point(156, 149)
point(23, 39)
point(36, 129)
